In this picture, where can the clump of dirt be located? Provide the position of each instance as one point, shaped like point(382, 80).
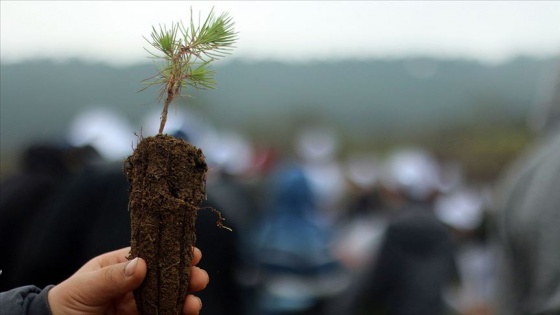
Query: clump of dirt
point(167, 179)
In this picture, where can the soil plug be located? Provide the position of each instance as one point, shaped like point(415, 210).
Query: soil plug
point(167, 175)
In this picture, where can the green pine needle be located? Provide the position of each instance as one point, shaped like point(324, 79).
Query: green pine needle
point(185, 54)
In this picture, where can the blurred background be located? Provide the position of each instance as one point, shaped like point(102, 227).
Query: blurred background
point(459, 77)
point(328, 116)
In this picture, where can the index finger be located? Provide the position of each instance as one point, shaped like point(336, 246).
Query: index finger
point(121, 255)
point(107, 259)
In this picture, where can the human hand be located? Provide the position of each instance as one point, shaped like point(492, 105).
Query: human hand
point(104, 286)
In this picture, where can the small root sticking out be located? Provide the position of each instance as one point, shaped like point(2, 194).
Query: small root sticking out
point(220, 220)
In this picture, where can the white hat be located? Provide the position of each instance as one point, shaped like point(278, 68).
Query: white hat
point(413, 171)
point(462, 209)
point(105, 130)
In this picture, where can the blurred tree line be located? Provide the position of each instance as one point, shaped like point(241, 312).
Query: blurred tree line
point(464, 110)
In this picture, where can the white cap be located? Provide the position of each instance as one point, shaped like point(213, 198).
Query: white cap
point(462, 209)
point(362, 169)
point(412, 171)
point(104, 129)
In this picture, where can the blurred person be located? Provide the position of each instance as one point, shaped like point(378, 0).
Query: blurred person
point(229, 158)
point(463, 210)
point(90, 216)
point(359, 229)
point(295, 268)
point(235, 196)
point(317, 147)
point(45, 169)
point(101, 286)
point(85, 216)
point(527, 217)
point(415, 261)
point(227, 154)
point(105, 129)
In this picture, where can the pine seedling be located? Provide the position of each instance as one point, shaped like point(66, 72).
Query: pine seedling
point(167, 175)
point(186, 54)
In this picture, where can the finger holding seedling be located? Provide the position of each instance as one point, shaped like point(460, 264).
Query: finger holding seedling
point(103, 286)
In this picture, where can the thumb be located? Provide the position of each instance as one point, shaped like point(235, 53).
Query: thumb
point(103, 285)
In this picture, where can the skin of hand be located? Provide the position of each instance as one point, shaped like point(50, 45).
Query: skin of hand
point(104, 286)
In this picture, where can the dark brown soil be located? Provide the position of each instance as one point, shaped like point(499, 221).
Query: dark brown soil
point(167, 183)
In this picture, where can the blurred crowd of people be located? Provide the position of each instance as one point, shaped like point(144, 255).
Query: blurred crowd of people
point(400, 233)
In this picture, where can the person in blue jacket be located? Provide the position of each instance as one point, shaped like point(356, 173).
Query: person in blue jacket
point(103, 285)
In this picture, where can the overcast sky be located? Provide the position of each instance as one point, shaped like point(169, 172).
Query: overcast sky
point(112, 31)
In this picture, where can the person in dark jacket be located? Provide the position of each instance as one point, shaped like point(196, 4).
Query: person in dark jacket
point(45, 169)
point(414, 265)
point(103, 285)
point(415, 261)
